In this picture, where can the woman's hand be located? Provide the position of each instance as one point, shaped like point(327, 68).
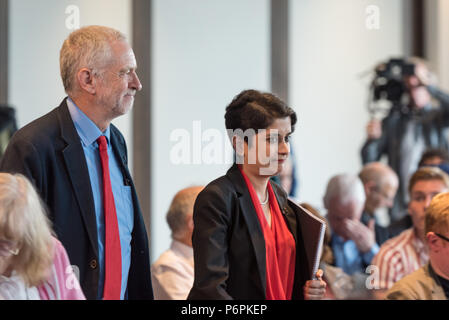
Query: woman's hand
point(315, 289)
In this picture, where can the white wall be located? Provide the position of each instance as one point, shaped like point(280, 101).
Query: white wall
point(37, 31)
point(437, 43)
point(205, 52)
point(330, 48)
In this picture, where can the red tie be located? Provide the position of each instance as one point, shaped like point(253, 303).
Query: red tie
point(113, 255)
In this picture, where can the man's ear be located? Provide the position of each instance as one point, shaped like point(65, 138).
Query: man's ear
point(369, 187)
point(190, 224)
point(86, 81)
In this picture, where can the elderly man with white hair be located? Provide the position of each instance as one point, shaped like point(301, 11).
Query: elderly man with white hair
point(380, 183)
point(78, 162)
point(353, 244)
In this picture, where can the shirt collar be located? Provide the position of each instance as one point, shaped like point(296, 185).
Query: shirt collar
point(182, 248)
point(86, 128)
point(337, 239)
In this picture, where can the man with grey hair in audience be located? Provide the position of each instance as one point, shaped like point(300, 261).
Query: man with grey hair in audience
point(380, 183)
point(78, 162)
point(172, 274)
point(353, 244)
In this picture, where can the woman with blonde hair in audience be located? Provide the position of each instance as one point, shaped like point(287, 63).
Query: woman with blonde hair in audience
point(33, 263)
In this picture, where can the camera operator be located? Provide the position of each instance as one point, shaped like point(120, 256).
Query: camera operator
point(412, 125)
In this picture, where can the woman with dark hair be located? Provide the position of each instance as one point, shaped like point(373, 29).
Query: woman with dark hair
point(247, 240)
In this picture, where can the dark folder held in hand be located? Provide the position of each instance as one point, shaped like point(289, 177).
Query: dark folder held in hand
point(312, 229)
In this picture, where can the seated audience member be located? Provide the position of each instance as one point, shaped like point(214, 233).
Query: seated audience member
point(430, 282)
point(340, 286)
point(33, 264)
point(431, 157)
point(380, 183)
point(172, 273)
point(434, 157)
point(287, 177)
point(353, 244)
point(419, 123)
point(407, 252)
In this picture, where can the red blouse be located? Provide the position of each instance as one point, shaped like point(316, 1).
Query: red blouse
point(280, 247)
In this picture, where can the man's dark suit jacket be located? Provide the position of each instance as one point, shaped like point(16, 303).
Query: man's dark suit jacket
point(228, 243)
point(381, 233)
point(49, 152)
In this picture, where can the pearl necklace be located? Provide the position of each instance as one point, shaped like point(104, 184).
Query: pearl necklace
point(266, 200)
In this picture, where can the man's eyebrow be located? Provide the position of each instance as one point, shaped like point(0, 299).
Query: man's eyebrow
point(128, 68)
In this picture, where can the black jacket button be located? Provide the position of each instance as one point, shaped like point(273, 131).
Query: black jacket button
point(93, 264)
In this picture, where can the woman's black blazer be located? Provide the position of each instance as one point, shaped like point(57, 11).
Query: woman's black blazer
point(228, 243)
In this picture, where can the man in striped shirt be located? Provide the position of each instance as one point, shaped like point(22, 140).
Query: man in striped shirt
point(407, 252)
point(430, 282)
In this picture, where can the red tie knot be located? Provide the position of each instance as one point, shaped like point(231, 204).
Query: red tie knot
point(102, 143)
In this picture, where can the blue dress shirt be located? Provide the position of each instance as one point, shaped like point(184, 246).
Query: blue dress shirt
point(89, 133)
point(348, 257)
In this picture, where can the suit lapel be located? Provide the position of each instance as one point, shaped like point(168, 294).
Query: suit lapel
point(252, 222)
point(255, 233)
point(287, 212)
point(120, 154)
point(78, 172)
